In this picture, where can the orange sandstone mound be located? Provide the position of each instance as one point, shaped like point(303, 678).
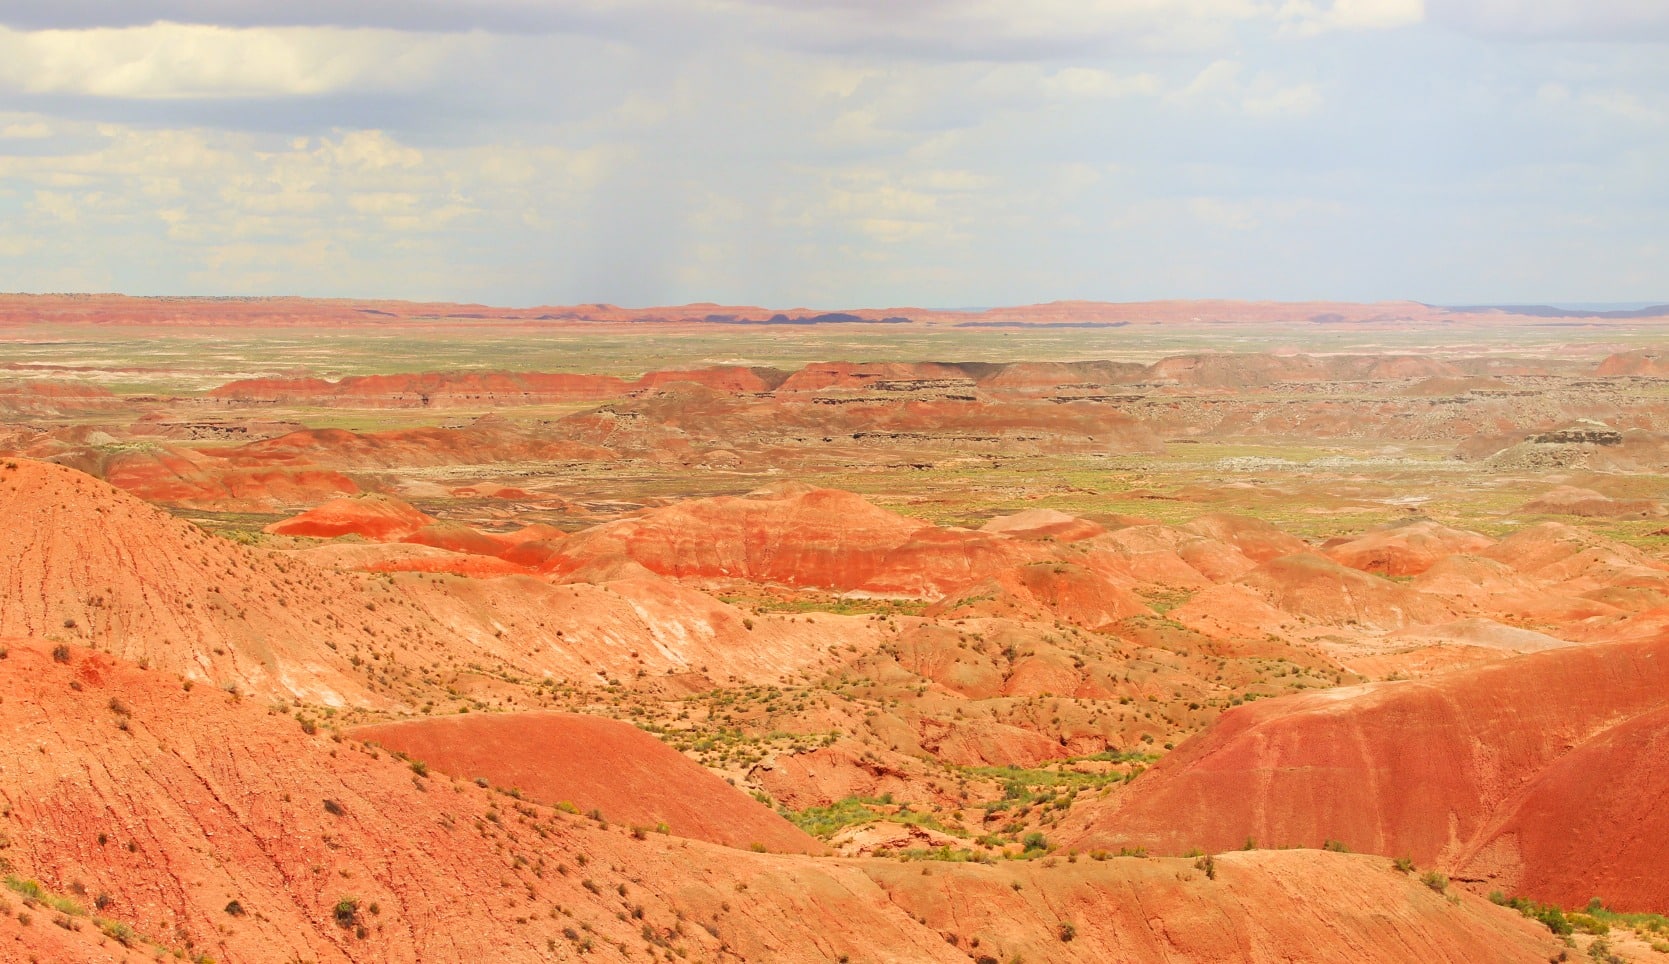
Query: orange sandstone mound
point(1434, 769)
point(592, 762)
point(795, 535)
point(376, 517)
point(1648, 362)
point(1571, 500)
point(1316, 588)
point(1405, 550)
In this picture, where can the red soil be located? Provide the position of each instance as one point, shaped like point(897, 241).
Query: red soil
point(374, 517)
point(1570, 500)
point(1316, 588)
point(486, 440)
point(1433, 769)
point(171, 804)
point(1258, 540)
point(798, 536)
point(592, 762)
point(1649, 362)
point(1047, 591)
point(1405, 550)
point(1044, 524)
point(1593, 823)
point(443, 389)
point(90, 563)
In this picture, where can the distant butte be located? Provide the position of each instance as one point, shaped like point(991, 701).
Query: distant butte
point(115, 309)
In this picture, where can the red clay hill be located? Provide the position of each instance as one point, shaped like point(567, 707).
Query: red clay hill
point(1499, 771)
point(593, 763)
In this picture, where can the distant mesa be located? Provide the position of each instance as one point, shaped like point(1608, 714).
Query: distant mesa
point(112, 309)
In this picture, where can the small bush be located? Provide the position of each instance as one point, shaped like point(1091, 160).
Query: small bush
point(1549, 915)
point(235, 909)
point(346, 913)
point(1404, 865)
point(120, 933)
point(1435, 881)
point(61, 653)
point(1068, 931)
point(1208, 864)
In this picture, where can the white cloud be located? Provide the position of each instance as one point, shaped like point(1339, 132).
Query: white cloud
point(1309, 17)
point(1093, 82)
point(195, 202)
point(169, 60)
point(1295, 101)
point(25, 130)
point(1219, 85)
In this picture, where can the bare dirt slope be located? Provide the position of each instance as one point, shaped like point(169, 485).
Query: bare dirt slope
point(593, 763)
point(1434, 769)
point(166, 806)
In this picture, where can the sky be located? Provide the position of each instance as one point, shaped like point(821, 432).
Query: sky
point(838, 153)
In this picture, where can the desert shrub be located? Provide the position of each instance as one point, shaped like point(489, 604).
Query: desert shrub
point(1208, 864)
point(119, 932)
point(346, 912)
point(61, 653)
point(1547, 914)
point(1404, 865)
point(1068, 931)
point(1435, 881)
